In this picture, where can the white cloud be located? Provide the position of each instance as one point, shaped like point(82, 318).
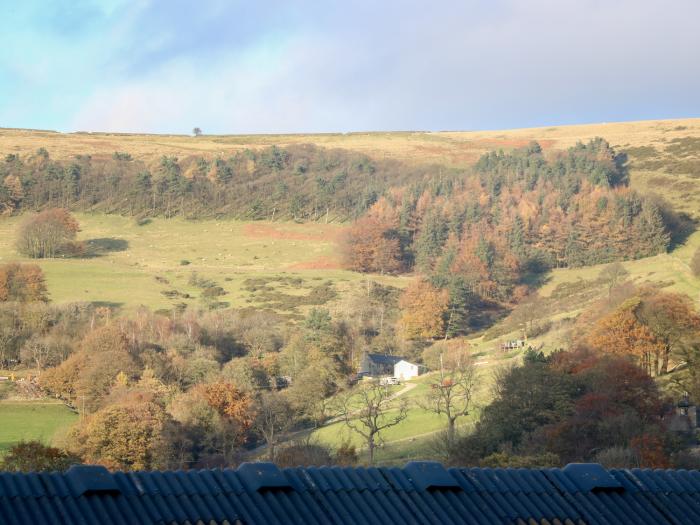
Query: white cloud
point(408, 66)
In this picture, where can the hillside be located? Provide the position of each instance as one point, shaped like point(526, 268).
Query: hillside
point(664, 154)
point(245, 289)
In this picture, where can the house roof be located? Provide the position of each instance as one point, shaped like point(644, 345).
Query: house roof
point(384, 359)
point(421, 492)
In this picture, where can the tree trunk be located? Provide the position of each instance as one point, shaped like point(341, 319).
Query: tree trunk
point(664, 362)
point(370, 447)
point(451, 430)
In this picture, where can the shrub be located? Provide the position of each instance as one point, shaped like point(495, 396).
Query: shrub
point(22, 283)
point(304, 454)
point(120, 155)
point(33, 456)
point(617, 457)
point(48, 234)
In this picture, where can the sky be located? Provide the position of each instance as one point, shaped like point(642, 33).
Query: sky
point(266, 66)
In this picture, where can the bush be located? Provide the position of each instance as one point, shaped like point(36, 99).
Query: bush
point(304, 454)
point(346, 455)
point(48, 234)
point(617, 457)
point(120, 155)
point(22, 283)
point(33, 456)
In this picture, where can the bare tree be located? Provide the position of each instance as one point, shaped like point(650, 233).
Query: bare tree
point(37, 350)
point(47, 234)
point(613, 275)
point(274, 418)
point(451, 390)
point(368, 410)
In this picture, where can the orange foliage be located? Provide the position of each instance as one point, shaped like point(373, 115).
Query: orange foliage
point(621, 333)
point(229, 402)
point(650, 451)
point(372, 243)
point(22, 282)
point(423, 309)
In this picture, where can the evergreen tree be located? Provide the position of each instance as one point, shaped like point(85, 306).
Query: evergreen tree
point(431, 239)
point(459, 300)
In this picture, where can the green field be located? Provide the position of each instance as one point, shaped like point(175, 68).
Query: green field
point(47, 421)
point(137, 265)
point(411, 438)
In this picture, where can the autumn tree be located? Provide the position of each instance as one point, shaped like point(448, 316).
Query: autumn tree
point(233, 405)
point(87, 376)
point(424, 308)
point(123, 436)
point(47, 234)
point(372, 244)
point(22, 283)
point(34, 456)
point(621, 332)
point(368, 410)
point(451, 389)
point(672, 319)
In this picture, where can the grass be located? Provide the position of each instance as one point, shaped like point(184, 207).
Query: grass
point(410, 439)
point(451, 148)
point(226, 252)
point(47, 421)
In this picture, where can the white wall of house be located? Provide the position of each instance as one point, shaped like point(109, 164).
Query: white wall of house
point(405, 370)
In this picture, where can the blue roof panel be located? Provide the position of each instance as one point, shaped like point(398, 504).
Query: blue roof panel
point(419, 493)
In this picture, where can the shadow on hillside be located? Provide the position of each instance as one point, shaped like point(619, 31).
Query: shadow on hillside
point(105, 245)
point(681, 226)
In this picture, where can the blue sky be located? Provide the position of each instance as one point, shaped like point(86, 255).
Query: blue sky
point(227, 66)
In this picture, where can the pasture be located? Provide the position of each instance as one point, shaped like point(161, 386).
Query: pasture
point(258, 264)
point(47, 421)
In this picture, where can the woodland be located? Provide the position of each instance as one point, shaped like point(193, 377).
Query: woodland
point(212, 386)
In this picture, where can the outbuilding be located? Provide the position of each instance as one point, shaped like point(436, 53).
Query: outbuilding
point(404, 370)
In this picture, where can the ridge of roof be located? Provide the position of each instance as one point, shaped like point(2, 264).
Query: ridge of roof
point(420, 492)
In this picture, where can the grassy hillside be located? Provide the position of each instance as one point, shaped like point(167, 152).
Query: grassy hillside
point(152, 264)
point(454, 147)
point(28, 420)
point(287, 267)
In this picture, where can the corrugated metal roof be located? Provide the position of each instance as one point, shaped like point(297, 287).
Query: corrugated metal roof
point(421, 492)
point(384, 359)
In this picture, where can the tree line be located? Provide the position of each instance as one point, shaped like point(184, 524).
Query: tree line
point(293, 183)
point(489, 237)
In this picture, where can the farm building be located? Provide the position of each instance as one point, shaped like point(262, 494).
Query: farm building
point(513, 344)
point(375, 365)
point(420, 492)
point(686, 417)
point(404, 370)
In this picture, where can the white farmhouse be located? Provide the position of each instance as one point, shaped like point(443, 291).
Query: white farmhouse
point(404, 370)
